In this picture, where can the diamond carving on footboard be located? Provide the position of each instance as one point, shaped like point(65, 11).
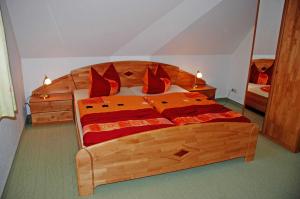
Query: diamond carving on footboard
point(128, 73)
point(181, 153)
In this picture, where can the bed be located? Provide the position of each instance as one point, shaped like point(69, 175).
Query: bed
point(155, 151)
point(257, 94)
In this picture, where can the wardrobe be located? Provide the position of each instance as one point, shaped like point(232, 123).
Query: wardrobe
point(282, 121)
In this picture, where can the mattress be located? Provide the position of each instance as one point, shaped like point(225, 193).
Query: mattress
point(137, 90)
point(83, 94)
point(256, 88)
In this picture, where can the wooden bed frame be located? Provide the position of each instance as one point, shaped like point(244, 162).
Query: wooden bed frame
point(254, 100)
point(157, 151)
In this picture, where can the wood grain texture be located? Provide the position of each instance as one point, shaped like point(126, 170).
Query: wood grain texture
point(282, 122)
point(62, 84)
point(185, 79)
point(164, 150)
point(85, 178)
point(207, 90)
point(256, 101)
point(52, 117)
point(55, 102)
point(56, 108)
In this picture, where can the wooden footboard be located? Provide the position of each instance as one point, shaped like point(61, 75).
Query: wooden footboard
point(255, 101)
point(162, 151)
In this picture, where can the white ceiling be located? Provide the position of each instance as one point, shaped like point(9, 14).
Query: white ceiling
point(90, 28)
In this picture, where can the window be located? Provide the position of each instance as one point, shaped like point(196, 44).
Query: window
point(7, 97)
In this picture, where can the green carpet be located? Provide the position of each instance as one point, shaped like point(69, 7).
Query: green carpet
point(44, 167)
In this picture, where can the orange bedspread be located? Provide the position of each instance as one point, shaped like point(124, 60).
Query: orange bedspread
point(188, 108)
point(106, 118)
point(177, 99)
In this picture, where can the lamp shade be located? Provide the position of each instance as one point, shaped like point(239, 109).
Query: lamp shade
point(47, 81)
point(199, 75)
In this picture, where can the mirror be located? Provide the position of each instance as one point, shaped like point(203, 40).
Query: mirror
point(262, 62)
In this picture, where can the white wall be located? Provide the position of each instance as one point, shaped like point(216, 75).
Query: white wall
point(238, 71)
point(11, 129)
point(213, 67)
point(263, 56)
point(268, 26)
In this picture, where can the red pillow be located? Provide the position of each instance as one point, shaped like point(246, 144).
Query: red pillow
point(161, 73)
point(100, 86)
point(262, 78)
point(112, 74)
point(158, 82)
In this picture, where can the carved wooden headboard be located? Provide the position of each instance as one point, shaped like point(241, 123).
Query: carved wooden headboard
point(131, 74)
point(262, 63)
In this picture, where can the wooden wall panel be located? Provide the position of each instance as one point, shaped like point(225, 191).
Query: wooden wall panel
point(282, 122)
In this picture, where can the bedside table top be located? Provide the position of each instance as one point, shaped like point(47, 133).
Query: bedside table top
point(202, 88)
point(52, 97)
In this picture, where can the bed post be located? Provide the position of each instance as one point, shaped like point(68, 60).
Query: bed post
point(250, 153)
point(84, 172)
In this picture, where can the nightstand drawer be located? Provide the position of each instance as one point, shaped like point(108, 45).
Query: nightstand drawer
point(42, 107)
point(209, 93)
point(207, 90)
point(52, 117)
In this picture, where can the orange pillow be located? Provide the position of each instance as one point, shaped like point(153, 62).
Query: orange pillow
point(157, 82)
point(100, 86)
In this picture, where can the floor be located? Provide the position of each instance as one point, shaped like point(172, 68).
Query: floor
point(44, 168)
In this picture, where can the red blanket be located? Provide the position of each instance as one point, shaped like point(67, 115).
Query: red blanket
point(202, 114)
point(100, 127)
point(187, 108)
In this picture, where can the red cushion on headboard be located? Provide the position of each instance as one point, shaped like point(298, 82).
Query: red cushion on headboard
point(266, 68)
point(112, 74)
point(158, 82)
point(269, 72)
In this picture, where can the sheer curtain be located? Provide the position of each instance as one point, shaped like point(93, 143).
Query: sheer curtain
point(7, 97)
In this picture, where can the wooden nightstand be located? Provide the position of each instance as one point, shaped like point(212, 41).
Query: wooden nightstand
point(54, 109)
point(207, 90)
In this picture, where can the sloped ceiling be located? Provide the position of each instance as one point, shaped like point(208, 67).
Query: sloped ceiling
point(219, 31)
point(91, 28)
point(268, 26)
